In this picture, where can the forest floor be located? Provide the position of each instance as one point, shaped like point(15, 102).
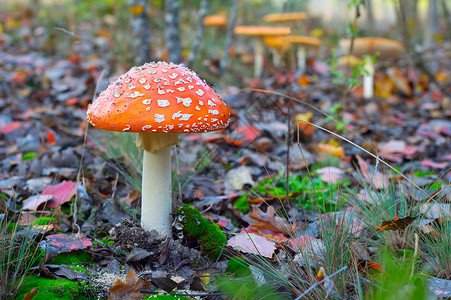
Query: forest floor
point(70, 194)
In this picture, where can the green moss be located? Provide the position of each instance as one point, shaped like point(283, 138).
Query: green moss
point(242, 205)
point(238, 266)
point(52, 289)
point(72, 258)
point(204, 231)
point(44, 220)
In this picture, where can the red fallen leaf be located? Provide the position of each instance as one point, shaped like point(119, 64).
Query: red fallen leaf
point(377, 179)
point(219, 138)
point(252, 243)
point(395, 224)
point(10, 127)
point(50, 136)
point(31, 294)
point(62, 192)
point(299, 242)
point(270, 235)
point(430, 163)
point(330, 174)
point(221, 222)
point(249, 133)
point(58, 243)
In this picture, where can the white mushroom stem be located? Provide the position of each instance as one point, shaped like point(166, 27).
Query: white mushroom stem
point(276, 57)
point(368, 75)
point(302, 56)
point(156, 203)
point(258, 57)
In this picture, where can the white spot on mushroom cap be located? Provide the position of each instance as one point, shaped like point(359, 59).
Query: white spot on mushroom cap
point(147, 86)
point(163, 103)
point(200, 92)
point(173, 75)
point(211, 102)
point(159, 118)
point(126, 128)
point(145, 127)
point(197, 108)
point(186, 101)
point(176, 115)
point(131, 86)
point(213, 112)
point(134, 94)
point(117, 94)
point(181, 89)
point(185, 117)
point(142, 80)
point(147, 101)
point(161, 92)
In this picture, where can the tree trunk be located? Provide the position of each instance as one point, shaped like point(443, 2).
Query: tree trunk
point(447, 16)
point(370, 14)
point(139, 22)
point(229, 37)
point(172, 31)
point(200, 29)
point(432, 22)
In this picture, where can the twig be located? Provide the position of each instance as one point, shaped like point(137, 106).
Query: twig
point(319, 282)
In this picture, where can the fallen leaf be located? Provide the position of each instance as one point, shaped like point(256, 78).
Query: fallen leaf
point(331, 175)
point(299, 242)
point(58, 243)
point(32, 203)
point(337, 151)
point(62, 192)
point(130, 289)
point(395, 224)
point(31, 294)
point(270, 235)
point(328, 284)
point(252, 243)
point(377, 179)
point(430, 163)
point(270, 221)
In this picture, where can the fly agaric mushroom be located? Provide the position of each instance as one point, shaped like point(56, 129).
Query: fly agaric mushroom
point(385, 48)
point(260, 32)
point(158, 100)
point(293, 18)
point(279, 45)
point(302, 43)
point(215, 20)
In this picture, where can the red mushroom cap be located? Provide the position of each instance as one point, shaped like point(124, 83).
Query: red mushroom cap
point(159, 97)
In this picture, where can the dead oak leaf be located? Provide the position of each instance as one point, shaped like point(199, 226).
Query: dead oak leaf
point(395, 224)
point(130, 289)
point(270, 221)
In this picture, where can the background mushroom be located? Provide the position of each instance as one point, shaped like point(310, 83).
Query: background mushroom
point(386, 49)
point(158, 100)
point(302, 43)
point(259, 32)
point(292, 18)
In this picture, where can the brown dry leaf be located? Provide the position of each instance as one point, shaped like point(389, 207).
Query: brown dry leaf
point(31, 294)
point(130, 289)
point(270, 221)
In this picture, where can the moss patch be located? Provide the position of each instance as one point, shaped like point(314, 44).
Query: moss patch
point(203, 231)
point(44, 220)
point(72, 258)
point(238, 266)
point(52, 289)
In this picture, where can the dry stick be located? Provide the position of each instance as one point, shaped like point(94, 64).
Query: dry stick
point(288, 151)
point(230, 36)
point(319, 282)
point(203, 10)
point(415, 254)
